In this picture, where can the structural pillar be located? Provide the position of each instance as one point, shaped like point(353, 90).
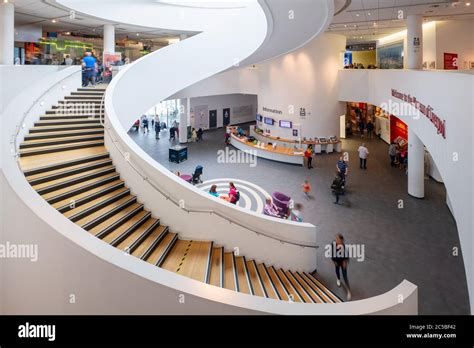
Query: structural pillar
point(109, 39)
point(416, 166)
point(184, 113)
point(415, 42)
point(7, 33)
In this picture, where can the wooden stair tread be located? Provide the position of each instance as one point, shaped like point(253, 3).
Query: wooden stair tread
point(216, 266)
point(148, 241)
point(101, 212)
point(94, 202)
point(253, 276)
point(195, 261)
point(61, 170)
point(298, 288)
point(63, 147)
point(42, 141)
point(85, 194)
point(278, 286)
point(315, 297)
point(28, 163)
point(229, 273)
point(78, 185)
point(136, 234)
point(266, 282)
point(118, 231)
point(242, 275)
point(114, 218)
point(323, 288)
point(161, 248)
point(176, 254)
point(288, 286)
point(71, 177)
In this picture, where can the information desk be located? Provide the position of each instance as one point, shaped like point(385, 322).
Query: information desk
point(280, 154)
point(178, 154)
point(328, 147)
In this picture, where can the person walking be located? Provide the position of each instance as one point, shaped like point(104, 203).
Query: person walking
point(361, 128)
point(145, 125)
point(306, 189)
point(363, 154)
point(157, 130)
point(392, 152)
point(341, 259)
point(89, 65)
point(342, 168)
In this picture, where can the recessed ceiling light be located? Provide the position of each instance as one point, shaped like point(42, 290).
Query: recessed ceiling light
point(368, 13)
point(345, 25)
point(468, 4)
point(357, 15)
point(138, 34)
point(54, 21)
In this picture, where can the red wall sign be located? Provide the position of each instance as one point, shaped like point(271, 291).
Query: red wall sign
point(450, 61)
point(398, 131)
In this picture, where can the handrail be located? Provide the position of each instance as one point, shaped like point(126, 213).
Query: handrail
point(25, 114)
point(180, 203)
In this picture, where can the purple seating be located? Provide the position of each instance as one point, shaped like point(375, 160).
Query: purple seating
point(282, 202)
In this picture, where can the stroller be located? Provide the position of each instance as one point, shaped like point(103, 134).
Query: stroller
point(197, 175)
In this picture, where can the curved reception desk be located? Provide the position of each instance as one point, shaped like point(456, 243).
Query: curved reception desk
point(319, 145)
point(279, 154)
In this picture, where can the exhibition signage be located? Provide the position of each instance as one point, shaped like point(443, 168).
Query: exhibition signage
point(426, 110)
point(273, 111)
point(450, 61)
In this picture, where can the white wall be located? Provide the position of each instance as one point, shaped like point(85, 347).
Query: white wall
point(230, 101)
point(306, 79)
point(450, 94)
point(455, 36)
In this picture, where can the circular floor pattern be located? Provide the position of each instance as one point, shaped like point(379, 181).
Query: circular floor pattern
point(252, 197)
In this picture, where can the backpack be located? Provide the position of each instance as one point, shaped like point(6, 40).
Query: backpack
point(237, 196)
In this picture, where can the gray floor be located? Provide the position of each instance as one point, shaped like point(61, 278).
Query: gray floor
point(412, 243)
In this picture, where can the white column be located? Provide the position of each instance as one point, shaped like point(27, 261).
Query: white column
point(7, 33)
point(183, 120)
point(414, 42)
point(109, 39)
point(416, 166)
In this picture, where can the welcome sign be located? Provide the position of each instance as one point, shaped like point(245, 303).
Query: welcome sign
point(426, 110)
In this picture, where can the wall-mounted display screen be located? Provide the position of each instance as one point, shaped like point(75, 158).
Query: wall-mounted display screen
point(286, 124)
point(259, 118)
point(269, 121)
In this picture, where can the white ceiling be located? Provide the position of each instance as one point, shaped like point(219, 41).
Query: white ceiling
point(367, 20)
point(360, 21)
point(42, 12)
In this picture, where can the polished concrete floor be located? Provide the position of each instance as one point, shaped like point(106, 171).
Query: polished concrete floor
point(412, 242)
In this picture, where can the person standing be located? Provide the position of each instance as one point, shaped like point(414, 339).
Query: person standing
point(341, 259)
point(363, 154)
point(157, 130)
point(361, 127)
point(145, 124)
point(89, 65)
point(309, 156)
point(68, 60)
point(370, 129)
point(296, 213)
point(392, 152)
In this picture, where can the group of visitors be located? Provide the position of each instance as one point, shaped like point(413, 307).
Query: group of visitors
point(196, 135)
point(294, 213)
point(233, 196)
point(360, 66)
point(398, 155)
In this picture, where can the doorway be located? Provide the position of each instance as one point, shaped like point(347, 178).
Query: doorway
point(212, 119)
point(226, 117)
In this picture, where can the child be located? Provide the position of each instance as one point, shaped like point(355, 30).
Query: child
point(306, 188)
